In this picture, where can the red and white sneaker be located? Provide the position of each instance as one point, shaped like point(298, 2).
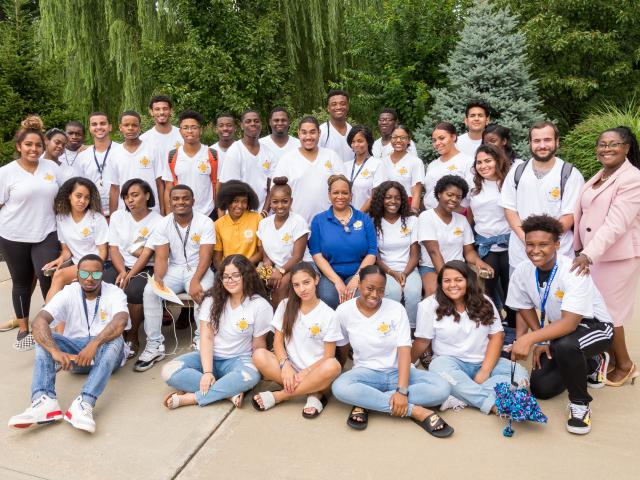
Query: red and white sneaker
point(43, 410)
point(80, 415)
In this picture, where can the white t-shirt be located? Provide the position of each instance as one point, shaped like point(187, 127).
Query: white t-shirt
point(394, 245)
point(68, 160)
point(465, 340)
point(27, 201)
point(278, 243)
point(459, 165)
point(238, 326)
point(241, 164)
point(83, 237)
point(276, 151)
point(194, 172)
point(222, 155)
point(568, 292)
point(408, 171)
point(381, 151)
point(467, 145)
point(332, 139)
point(361, 177)
point(488, 215)
point(199, 232)
point(91, 168)
point(66, 170)
point(375, 340)
point(309, 333)
point(163, 142)
point(308, 180)
point(451, 237)
point(537, 196)
point(146, 163)
point(125, 233)
point(67, 306)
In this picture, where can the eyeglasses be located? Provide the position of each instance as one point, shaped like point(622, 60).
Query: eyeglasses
point(234, 276)
point(190, 128)
point(83, 274)
point(402, 138)
point(614, 145)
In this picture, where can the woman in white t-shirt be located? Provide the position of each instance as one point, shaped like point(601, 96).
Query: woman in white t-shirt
point(464, 329)
point(490, 224)
point(303, 359)
point(131, 264)
point(361, 170)
point(82, 229)
point(382, 378)
point(445, 234)
point(234, 322)
point(398, 247)
point(284, 239)
point(28, 237)
point(450, 162)
point(403, 167)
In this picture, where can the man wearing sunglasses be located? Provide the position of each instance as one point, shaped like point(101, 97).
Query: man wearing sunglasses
point(95, 315)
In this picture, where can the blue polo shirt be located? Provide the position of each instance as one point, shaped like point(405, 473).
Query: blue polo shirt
point(343, 250)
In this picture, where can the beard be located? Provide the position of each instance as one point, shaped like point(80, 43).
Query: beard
point(545, 158)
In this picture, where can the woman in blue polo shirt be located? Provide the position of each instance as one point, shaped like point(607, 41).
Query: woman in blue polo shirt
point(343, 240)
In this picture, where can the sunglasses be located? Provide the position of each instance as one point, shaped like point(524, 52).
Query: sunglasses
point(83, 274)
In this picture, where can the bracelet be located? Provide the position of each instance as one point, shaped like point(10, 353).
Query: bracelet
point(204, 373)
point(283, 362)
point(543, 344)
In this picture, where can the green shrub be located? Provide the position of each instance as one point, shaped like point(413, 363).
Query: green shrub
point(579, 145)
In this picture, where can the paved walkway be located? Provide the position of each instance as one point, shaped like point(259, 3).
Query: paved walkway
point(137, 438)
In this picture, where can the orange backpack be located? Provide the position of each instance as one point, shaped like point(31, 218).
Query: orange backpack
point(213, 163)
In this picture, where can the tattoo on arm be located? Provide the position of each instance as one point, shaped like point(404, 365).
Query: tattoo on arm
point(113, 329)
point(42, 331)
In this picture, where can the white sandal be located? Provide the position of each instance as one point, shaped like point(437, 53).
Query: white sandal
point(237, 400)
point(314, 402)
point(172, 401)
point(268, 401)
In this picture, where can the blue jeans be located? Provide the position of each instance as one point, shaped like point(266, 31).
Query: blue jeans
point(412, 294)
point(423, 269)
point(327, 292)
point(108, 358)
point(177, 279)
point(372, 389)
point(233, 376)
point(461, 374)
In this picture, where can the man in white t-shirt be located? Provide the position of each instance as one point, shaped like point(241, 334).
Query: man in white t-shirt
point(476, 118)
point(248, 161)
point(541, 189)
point(226, 132)
point(74, 130)
point(192, 164)
point(333, 134)
point(569, 351)
point(387, 122)
point(163, 136)
point(135, 159)
point(183, 242)
point(279, 141)
point(94, 315)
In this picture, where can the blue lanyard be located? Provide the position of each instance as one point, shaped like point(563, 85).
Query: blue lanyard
point(104, 160)
point(353, 177)
point(545, 295)
point(86, 312)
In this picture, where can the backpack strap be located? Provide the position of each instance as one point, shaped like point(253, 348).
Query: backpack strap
point(518, 174)
point(172, 158)
point(213, 163)
point(565, 173)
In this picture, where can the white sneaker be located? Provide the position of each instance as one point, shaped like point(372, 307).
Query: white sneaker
point(151, 355)
point(454, 403)
point(43, 410)
point(80, 415)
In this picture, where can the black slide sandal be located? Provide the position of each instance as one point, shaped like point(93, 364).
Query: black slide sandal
point(431, 424)
point(362, 414)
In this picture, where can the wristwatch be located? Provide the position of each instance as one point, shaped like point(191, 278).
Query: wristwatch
point(403, 391)
point(281, 270)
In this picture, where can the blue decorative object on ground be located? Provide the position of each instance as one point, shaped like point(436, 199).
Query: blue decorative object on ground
point(516, 404)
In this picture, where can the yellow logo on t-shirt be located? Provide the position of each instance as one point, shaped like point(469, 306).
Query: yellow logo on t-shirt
point(451, 168)
point(85, 232)
point(403, 171)
point(266, 164)
point(103, 315)
point(144, 231)
point(384, 328)
point(202, 166)
point(144, 162)
point(49, 178)
point(559, 294)
point(248, 234)
point(315, 330)
point(357, 225)
point(195, 238)
point(405, 231)
point(457, 232)
point(328, 165)
point(365, 173)
point(555, 193)
point(242, 325)
point(286, 238)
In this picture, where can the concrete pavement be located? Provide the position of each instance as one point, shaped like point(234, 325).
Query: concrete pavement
point(137, 438)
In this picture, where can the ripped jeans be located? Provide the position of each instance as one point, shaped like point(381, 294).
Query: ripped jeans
point(233, 376)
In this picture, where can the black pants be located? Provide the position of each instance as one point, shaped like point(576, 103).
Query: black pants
point(571, 361)
point(25, 260)
point(135, 287)
point(498, 286)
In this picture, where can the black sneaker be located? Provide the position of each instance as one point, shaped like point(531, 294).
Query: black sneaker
point(579, 421)
point(598, 377)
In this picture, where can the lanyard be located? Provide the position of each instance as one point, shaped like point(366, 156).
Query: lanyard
point(104, 160)
point(86, 312)
point(183, 241)
point(66, 158)
point(353, 177)
point(545, 295)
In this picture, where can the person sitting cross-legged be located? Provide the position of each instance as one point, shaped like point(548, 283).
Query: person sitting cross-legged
point(95, 315)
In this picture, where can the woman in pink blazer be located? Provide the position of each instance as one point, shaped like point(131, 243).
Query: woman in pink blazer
point(607, 230)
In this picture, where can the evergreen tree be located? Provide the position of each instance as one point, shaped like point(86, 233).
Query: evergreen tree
point(488, 63)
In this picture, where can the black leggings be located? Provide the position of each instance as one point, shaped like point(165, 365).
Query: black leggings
point(498, 286)
point(136, 285)
point(25, 260)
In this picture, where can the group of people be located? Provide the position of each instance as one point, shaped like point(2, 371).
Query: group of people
point(301, 253)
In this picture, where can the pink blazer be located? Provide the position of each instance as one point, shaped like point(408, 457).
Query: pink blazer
point(609, 229)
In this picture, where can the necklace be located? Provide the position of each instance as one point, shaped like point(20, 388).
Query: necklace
point(345, 221)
